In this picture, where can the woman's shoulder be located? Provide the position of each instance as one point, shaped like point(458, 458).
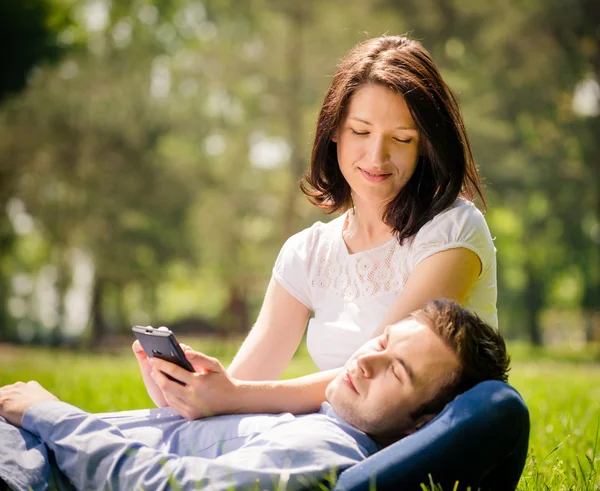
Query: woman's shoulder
point(318, 232)
point(461, 225)
point(460, 215)
point(300, 254)
point(463, 209)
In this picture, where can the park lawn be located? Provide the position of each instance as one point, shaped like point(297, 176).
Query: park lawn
point(562, 391)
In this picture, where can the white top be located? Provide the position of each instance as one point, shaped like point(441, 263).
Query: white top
point(351, 293)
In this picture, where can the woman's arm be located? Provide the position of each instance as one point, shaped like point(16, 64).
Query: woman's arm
point(266, 353)
point(446, 274)
point(250, 385)
point(274, 338)
point(276, 335)
point(212, 391)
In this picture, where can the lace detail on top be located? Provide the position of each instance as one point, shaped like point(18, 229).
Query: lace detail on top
point(366, 274)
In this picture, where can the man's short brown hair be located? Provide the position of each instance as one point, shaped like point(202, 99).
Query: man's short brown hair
point(479, 347)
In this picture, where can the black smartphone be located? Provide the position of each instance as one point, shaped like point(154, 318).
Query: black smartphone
point(162, 344)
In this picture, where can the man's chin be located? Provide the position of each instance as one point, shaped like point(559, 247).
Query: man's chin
point(349, 414)
point(333, 392)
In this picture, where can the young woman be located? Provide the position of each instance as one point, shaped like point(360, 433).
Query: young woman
point(392, 155)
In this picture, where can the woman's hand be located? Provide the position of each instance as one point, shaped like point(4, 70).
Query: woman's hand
point(153, 390)
point(209, 391)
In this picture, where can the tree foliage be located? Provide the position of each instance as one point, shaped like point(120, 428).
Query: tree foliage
point(167, 144)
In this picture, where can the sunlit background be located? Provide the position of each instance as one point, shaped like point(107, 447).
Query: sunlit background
point(150, 153)
point(150, 156)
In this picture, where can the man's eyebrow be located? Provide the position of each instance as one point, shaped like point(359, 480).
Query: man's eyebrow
point(409, 370)
point(364, 121)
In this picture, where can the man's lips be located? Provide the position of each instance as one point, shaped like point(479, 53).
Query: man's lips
point(349, 382)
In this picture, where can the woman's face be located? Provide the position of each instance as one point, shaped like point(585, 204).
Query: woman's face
point(377, 144)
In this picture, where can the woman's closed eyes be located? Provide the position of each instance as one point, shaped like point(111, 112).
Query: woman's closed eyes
point(365, 133)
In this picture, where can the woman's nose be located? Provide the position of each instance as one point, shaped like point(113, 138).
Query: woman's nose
point(378, 151)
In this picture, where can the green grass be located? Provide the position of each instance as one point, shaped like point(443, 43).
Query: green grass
point(564, 404)
point(561, 389)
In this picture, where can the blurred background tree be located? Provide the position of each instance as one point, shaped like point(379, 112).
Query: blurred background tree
point(150, 153)
point(29, 32)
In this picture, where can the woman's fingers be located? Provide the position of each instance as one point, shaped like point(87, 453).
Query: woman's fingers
point(153, 390)
point(178, 405)
point(206, 393)
point(173, 370)
point(140, 356)
point(188, 406)
point(182, 399)
point(137, 347)
point(203, 363)
point(187, 409)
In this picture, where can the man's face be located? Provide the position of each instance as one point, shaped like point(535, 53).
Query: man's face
point(391, 376)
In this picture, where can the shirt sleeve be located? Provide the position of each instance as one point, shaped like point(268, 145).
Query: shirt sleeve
point(94, 454)
point(291, 268)
point(461, 225)
point(298, 455)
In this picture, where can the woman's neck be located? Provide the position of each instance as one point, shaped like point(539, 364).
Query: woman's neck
point(364, 228)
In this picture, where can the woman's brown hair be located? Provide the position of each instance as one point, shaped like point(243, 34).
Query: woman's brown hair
point(445, 169)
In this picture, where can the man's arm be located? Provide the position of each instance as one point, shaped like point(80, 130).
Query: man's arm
point(96, 455)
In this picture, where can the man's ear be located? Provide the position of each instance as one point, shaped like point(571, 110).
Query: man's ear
point(422, 421)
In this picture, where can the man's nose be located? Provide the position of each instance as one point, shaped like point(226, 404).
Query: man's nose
point(370, 363)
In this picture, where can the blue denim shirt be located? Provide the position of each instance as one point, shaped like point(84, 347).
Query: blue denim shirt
point(158, 449)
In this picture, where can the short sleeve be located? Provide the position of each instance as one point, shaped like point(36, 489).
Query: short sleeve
point(291, 268)
point(461, 225)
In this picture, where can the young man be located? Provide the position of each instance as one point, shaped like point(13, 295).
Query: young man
point(389, 388)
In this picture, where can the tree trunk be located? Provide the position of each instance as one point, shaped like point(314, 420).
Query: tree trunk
point(591, 273)
point(63, 278)
point(533, 307)
point(296, 16)
point(151, 301)
point(590, 327)
point(99, 326)
point(7, 237)
point(235, 318)
point(121, 315)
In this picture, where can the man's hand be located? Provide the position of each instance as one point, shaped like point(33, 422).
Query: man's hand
point(15, 399)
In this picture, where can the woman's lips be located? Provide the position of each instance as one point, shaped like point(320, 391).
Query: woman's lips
point(348, 381)
point(374, 177)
